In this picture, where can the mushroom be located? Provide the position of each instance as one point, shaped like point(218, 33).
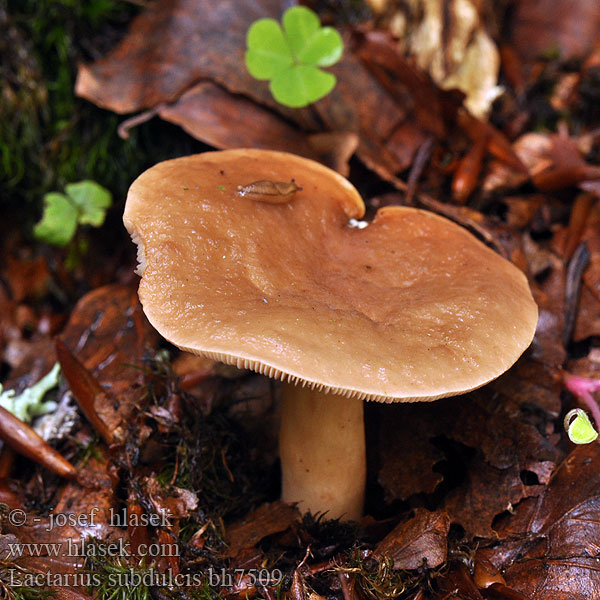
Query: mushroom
point(410, 307)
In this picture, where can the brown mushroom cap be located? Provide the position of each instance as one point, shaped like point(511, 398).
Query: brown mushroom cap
point(410, 307)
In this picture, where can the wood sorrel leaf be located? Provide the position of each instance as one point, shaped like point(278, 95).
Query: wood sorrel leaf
point(323, 49)
point(91, 200)
point(58, 222)
point(300, 24)
point(301, 85)
point(289, 57)
point(268, 51)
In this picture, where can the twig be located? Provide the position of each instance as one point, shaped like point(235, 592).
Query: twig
point(577, 265)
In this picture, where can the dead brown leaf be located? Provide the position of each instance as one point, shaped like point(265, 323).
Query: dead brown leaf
point(408, 456)
point(196, 50)
point(94, 500)
point(264, 521)
point(588, 316)
point(486, 493)
point(591, 236)
point(546, 26)
point(553, 541)
point(171, 47)
point(422, 540)
point(554, 162)
point(499, 421)
point(224, 120)
point(109, 334)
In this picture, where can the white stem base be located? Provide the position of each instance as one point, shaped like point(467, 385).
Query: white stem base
point(322, 450)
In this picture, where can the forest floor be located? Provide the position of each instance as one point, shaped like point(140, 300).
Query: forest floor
point(477, 496)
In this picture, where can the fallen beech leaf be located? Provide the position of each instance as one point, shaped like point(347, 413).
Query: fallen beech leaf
point(522, 210)
point(545, 26)
point(504, 441)
point(485, 573)
point(224, 120)
point(205, 41)
point(498, 591)
point(531, 148)
point(457, 582)
point(553, 543)
point(94, 487)
point(486, 492)
point(174, 502)
point(591, 237)
point(26, 277)
point(407, 457)
point(587, 323)
point(432, 106)
point(264, 521)
point(91, 494)
point(360, 104)
point(422, 540)
point(553, 161)
point(565, 166)
point(211, 113)
point(145, 72)
point(109, 334)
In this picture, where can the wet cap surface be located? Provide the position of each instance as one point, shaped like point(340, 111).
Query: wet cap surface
point(410, 307)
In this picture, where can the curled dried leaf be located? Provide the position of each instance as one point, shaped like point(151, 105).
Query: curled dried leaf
point(273, 192)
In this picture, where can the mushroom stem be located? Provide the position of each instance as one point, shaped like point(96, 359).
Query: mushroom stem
point(322, 450)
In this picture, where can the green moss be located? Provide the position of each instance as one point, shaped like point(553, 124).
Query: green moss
point(377, 579)
point(48, 137)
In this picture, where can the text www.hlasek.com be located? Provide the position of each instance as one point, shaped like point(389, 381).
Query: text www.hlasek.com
point(128, 577)
point(75, 548)
point(117, 550)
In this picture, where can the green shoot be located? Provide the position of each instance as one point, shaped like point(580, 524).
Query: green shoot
point(83, 203)
point(290, 57)
point(579, 427)
point(29, 404)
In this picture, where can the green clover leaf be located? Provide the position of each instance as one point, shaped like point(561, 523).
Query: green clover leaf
point(91, 200)
point(289, 57)
point(300, 24)
point(85, 203)
point(59, 221)
point(301, 86)
point(268, 51)
point(310, 43)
